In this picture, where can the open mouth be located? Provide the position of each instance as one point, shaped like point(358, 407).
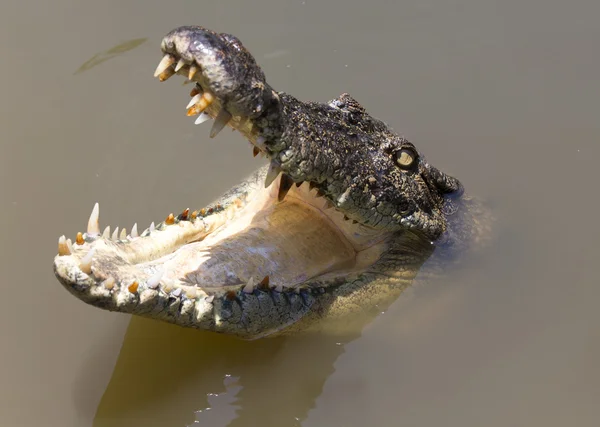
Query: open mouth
point(335, 226)
point(270, 246)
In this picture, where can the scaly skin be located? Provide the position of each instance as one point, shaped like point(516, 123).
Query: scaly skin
point(355, 213)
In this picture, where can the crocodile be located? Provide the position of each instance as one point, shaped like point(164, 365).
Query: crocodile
point(332, 229)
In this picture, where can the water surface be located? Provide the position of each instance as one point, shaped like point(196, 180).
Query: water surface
point(504, 95)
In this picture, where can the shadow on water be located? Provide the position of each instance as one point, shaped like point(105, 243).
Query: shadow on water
point(274, 380)
point(166, 373)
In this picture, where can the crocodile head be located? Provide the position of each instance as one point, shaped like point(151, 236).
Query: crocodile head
point(341, 217)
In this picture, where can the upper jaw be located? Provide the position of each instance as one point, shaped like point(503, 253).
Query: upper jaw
point(221, 65)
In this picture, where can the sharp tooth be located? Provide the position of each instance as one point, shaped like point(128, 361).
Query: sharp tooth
point(115, 234)
point(123, 235)
point(249, 288)
point(185, 214)
point(195, 91)
point(284, 186)
point(164, 63)
point(328, 204)
point(264, 283)
point(134, 231)
point(109, 283)
point(70, 245)
point(154, 280)
point(194, 100)
point(255, 151)
point(79, 238)
point(186, 82)
point(192, 72)
point(133, 288)
point(191, 293)
point(93, 228)
point(203, 117)
point(86, 262)
point(260, 141)
point(272, 173)
point(298, 184)
point(220, 121)
point(179, 65)
point(106, 232)
point(205, 100)
point(166, 74)
point(63, 248)
point(311, 185)
point(170, 219)
point(152, 227)
point(279, 288)
point(210, 299)
point(176, 293)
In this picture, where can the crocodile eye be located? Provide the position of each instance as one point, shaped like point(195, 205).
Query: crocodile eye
point(405, 158)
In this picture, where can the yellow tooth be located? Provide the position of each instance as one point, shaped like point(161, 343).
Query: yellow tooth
point(170, 219)
point(164, 63)
point(166, 74)
point(63, 248)
point(123, 235)
point(184, 214)
point(204, 102)
point(79, 238)
point(133, 287)
point(109, 283)
point(264, 283)
point(193, 71)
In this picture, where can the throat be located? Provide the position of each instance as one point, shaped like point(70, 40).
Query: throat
point(291, 242)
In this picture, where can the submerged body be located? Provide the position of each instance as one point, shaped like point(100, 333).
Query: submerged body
point(333, 229)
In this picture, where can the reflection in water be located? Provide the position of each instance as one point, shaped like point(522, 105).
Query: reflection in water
point(166, 373)
point(117, 50)
point(270, 381)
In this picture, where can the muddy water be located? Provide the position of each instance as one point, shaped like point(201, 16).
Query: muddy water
point(504, 95)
